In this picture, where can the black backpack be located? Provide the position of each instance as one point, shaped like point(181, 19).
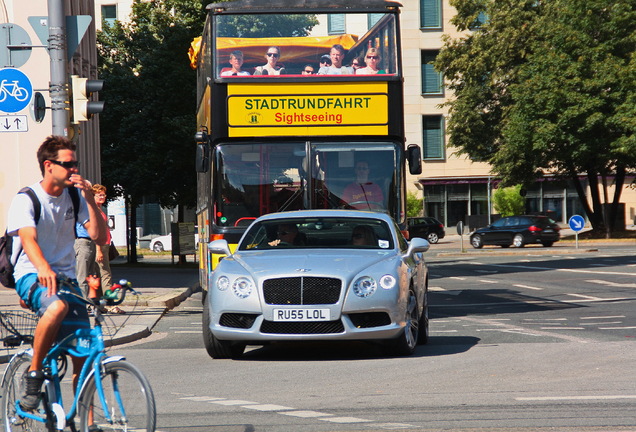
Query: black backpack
point(6, 241)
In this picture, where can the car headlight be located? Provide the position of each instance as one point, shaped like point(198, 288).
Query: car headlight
point(364, 286)
point(222, 283)
point(387, 282)
point(242, 287)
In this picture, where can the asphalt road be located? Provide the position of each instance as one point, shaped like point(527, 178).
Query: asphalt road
point(533, 340)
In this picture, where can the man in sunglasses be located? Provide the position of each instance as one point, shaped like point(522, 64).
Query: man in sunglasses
point(337, 55)
point(43, 250)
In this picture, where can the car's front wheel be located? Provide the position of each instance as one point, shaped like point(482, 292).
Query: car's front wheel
point(433, 238)
point(517, 241)
point(476, 241)
point(405, 344)
point(218, 349)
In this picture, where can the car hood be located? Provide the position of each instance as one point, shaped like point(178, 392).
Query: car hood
point(269, 264)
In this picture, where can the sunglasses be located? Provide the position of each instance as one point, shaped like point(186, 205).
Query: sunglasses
point(373, 57)
point(67, 164)
point(273, 55)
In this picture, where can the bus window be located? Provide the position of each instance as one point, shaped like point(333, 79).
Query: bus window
point(283, 45)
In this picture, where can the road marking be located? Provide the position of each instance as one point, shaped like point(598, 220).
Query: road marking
point(528, 287)
point(561, 270)
point(612, 284)
point(564, 398)
point(603, 317)
point(190, 331)
point(457, 278)
point(616, 328)
point(306, 414)
point(488, 281)
point(436, 288)
point(293, 412)
point(268, 407)
point(345, 420)
point(562, 328)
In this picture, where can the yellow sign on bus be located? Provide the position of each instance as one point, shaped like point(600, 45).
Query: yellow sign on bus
point(311, 109)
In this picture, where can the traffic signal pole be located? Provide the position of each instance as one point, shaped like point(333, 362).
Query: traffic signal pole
point(57, 52)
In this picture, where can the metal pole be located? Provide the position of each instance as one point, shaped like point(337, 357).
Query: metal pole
point(57, 53)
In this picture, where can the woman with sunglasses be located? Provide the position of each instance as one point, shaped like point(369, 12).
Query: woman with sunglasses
point(372, 59)
point(271, 68)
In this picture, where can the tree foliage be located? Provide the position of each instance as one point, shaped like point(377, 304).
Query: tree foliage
point(414, 205)
point(508, 201)
point(148, 125)
point(266, 25)
point(547, 87)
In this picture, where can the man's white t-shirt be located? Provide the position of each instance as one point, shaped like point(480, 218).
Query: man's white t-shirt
point(55, 230)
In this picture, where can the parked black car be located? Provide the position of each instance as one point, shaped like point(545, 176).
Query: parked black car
point(517, 231)
point(427, 228)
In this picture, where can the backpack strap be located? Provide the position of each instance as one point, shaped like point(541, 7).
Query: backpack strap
point(37, 207)
point(74, 193)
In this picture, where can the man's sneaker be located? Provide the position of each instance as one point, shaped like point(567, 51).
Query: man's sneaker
point(31, 398)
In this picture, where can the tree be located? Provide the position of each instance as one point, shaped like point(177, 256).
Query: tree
point(413, 205)
point(508, 201)
point(148, 126)
point(547, 87)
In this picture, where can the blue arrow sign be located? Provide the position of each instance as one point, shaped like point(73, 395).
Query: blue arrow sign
point(576, 223)
point(15, 90)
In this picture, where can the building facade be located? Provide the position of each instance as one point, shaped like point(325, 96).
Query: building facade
point(18, 148)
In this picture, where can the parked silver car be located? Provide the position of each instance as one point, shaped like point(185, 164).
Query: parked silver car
point(318, 275)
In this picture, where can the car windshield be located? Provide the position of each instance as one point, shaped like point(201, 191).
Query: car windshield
point(323, 232)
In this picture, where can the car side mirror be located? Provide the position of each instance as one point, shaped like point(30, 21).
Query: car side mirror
point(219, 247)
point(417, 245)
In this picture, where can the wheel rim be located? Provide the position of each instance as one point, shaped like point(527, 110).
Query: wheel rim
point(411, 329)
point(476, 241)
point(432, 237)
point(518, 240)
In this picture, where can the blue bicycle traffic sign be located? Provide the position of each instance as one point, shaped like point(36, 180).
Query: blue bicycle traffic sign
point(15, 90)
point(576, 223)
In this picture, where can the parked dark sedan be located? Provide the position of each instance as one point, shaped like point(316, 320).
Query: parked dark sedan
point(517, 231)
point(427, 228)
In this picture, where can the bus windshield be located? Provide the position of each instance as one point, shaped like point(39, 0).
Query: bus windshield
point(274, 45)
point(255, 179)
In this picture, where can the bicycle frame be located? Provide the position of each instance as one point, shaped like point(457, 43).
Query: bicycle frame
point(86, 343)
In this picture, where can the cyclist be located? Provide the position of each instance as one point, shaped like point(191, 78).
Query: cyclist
point(44, 250)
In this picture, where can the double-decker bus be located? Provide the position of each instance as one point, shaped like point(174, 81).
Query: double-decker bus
point(274, 137)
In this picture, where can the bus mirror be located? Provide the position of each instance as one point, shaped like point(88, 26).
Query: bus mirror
point(414, 157)
point(203, 158)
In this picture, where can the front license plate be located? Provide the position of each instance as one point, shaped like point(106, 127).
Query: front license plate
point(302, 315)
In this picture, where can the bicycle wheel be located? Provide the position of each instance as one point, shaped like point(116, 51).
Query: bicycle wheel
point(12, 390)
point(129, 401)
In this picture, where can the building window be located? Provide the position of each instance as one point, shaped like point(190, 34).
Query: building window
point(373, 18)
point(431, 79)
point(109, 14)
point(433, 137)
point(336, 23)
point(431, 14)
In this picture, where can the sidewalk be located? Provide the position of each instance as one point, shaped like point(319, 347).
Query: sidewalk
point(162, 286)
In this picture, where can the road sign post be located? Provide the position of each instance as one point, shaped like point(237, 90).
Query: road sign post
point(576, 223)
point(460, 231)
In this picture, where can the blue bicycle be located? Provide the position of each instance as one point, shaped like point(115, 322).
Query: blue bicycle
point(111, 394)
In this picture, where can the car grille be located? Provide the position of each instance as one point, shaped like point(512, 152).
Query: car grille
point(307, 327)
point(237, 320)
point(301, 291)
point(370, 319)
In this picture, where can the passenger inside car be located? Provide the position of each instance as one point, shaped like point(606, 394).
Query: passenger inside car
point(363, 235)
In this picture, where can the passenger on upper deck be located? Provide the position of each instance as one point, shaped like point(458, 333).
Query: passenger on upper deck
point(337, 55)
point(356, 64)
point(271, 68)
point(372, 60)
point(307, 70)
point(236, 61)
point(325, 61)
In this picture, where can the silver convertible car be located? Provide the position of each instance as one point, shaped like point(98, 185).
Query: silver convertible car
point(318, 275)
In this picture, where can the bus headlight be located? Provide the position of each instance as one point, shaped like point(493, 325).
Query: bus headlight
point(243, 287)
point(364, 286)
